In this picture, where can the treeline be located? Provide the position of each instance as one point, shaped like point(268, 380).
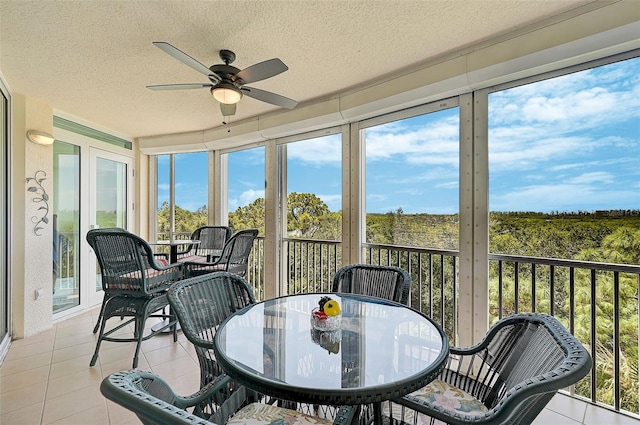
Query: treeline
point(577, 214)
point(555, 235)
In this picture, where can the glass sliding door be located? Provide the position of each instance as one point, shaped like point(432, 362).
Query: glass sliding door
point(4, 221)
point(110, 196)
point(66, 226)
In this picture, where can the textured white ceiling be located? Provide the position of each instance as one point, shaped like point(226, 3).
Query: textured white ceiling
point(93, 59)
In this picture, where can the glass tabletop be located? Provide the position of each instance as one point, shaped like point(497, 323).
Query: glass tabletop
point(176, 242)
point(380, 349)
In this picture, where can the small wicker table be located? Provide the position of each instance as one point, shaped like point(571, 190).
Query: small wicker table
point(381, 351)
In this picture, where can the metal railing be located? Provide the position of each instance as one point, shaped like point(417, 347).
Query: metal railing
point(597, 302)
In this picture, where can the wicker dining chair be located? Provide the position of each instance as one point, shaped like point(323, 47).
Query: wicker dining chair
point(105, 296)
point(212, 240)
point(202, 303)
point(221, 402)
point(388, 282)
point(134, 285)
point(507, 378)
point(234, 257)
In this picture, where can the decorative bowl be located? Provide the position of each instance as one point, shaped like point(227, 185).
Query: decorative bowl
point(326, 323)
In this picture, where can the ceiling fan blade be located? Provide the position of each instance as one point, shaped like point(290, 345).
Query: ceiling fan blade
point(261, 71)
point(186, 59)
point(228, 110)
point(267, 96)
point(180, 86)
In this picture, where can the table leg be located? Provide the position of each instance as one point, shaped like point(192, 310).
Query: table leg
point(173, 258)
point(173, 253)
point(378, 419)
point(377, 413)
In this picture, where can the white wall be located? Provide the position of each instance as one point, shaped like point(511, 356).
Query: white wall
point(31, 255)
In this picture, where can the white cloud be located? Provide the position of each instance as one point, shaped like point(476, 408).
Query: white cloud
point(317, 151)
point(334, 201)
point(597, 177)
point(434, 142)
point(562, 197)
point(245, 198)
point(248, 196)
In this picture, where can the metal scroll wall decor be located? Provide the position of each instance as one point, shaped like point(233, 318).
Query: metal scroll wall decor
point(41, 197)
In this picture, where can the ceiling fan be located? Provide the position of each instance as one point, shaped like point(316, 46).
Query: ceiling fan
point(227, 83)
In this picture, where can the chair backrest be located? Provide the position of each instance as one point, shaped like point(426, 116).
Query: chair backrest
point(202, 303)
point(212, 239)
point(518, 366)
point(388, 282)
point(235, 254)
point(127, 264)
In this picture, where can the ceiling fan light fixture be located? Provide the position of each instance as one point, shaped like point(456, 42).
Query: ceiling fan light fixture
point(226, 93)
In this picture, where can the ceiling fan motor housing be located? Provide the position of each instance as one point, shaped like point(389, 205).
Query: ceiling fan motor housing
point(225, 72)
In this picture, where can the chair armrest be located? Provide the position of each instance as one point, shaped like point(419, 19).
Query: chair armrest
point(119, 388)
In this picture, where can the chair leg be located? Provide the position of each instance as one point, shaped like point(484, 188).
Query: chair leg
point(97, 326)
point(139, 333)
point(174, 328)
point(102, 322)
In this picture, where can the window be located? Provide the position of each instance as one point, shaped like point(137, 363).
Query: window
point(564, 161)
point(412, 181)
point(314, 188)
point(246, 189)
point(564, 166)
point(189, 191)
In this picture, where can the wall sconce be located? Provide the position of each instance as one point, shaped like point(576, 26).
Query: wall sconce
point(40, 137)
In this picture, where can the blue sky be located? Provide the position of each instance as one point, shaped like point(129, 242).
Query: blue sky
point(570, 143)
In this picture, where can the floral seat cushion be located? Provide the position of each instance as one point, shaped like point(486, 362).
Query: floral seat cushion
point(265, 414)
point(438, 393)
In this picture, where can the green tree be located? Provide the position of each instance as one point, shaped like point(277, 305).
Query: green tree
point(249, 217)
point(186, 221)
point(304, 213)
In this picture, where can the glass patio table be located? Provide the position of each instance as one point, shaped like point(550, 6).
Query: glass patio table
point(380, 350)
point(173, 246)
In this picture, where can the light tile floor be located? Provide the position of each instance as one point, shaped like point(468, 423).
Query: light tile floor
point(46, 379)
